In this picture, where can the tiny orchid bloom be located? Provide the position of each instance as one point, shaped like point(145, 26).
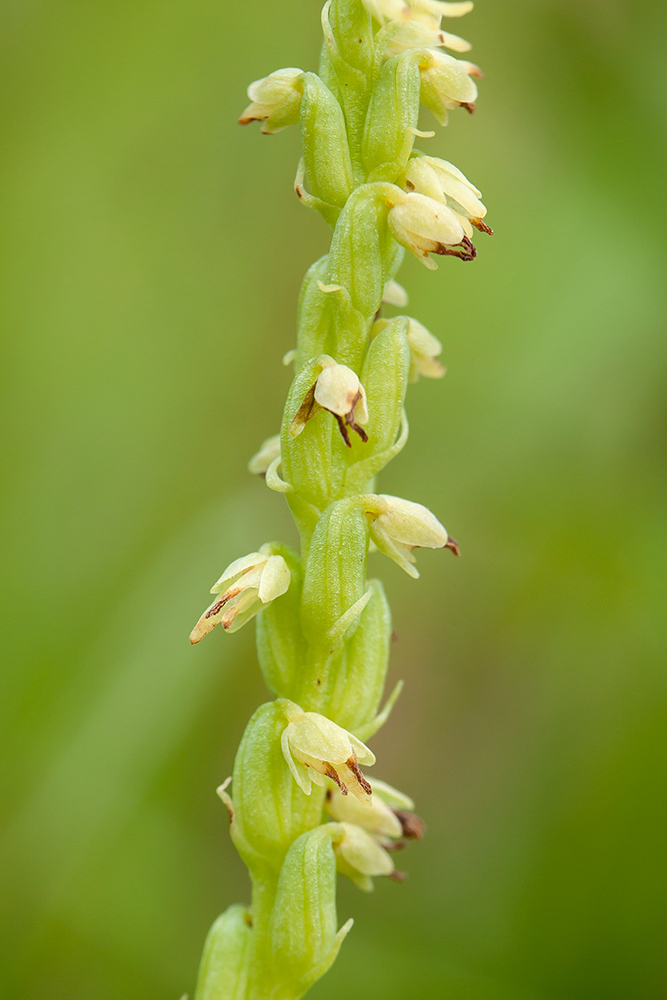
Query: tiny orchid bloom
point(269, 451)
point(395, 295)
point(424, 352)
point(416, 34)
point(446, 83)
point(377, 816)
point(399, 526)
point(360, 857)
point(424, 225)
point(443, 181)
point(275, 100)
point(388, 10)
point(314, 747)
point(245, 587)
point(339, 391)
point(439, 8)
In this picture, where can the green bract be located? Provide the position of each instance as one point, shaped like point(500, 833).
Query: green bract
point(323, 629)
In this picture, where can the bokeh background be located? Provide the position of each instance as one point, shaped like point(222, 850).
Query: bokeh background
point(153, 256)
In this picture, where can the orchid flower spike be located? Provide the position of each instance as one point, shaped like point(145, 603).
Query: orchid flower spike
point(245, 587)
point(314, 747)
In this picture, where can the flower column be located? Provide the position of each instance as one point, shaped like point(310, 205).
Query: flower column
point(301, 807)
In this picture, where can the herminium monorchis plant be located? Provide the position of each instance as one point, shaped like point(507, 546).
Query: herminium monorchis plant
point(301, 807)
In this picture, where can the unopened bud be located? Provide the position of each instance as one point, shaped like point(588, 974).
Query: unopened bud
point(223, 972)
point(395, 295)
point(243, 589)
point(275, 100)
point(281, 646)
point(326, 154)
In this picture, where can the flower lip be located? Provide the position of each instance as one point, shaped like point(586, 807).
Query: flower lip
point(338, 390)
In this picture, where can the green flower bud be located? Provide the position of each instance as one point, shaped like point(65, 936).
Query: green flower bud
point(281, 646)
point(303, 931)
point(360, 679)
point(268, 809)
point(352, 33)
point(392, 119)
point(334, 588)
point(327, 159)
point(223, 972)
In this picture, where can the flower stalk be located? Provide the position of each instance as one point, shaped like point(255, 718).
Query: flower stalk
point(301, 805)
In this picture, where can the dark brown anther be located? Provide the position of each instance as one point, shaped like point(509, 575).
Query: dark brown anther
point(465, 250)
point(482, 226)
point(397, 876)
point(356, 771)
point(331, 773)
point(453, 546)
point(470, 108)
point(413, 826)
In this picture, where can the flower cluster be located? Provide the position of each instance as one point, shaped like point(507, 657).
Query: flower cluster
point(303, 807)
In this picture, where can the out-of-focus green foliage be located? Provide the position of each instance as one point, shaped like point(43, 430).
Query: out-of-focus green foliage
point(153, 256)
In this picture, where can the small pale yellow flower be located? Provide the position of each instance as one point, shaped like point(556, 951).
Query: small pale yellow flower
point(275, 100)
point(425, 225)
point(446, 83)
point(424, 352)
point(444, 182)
point(417, 34)
point(245, 587)
point(269, 451)
point(361, 857)
point(399, 526)
point(395, 295)
point(338, 390)
point(314, 747)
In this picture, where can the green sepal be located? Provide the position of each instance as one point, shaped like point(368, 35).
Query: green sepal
point(329, 174)
point(385, 378)
point(359, 249)
point(360, 679)
point(315, 329)
point(303, 926)
point(335, 576)
point(351, 27)
point(268, 808)
point(393, 113)
point(223, 971)
point(281, 645)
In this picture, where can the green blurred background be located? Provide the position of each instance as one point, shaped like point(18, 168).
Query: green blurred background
point(153, 256)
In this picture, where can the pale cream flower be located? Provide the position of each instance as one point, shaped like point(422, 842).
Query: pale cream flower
point(275, 100)
point(269, 451)
point(416, 34)
point(361, 857)
point(314, 747)
point(425, 225)
point(245, 587)
point(338, 390)
point(444, 182)
point(446, 83)
point(395, 295)
point(399, 526)
point(430, 11)
point(424, 352)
